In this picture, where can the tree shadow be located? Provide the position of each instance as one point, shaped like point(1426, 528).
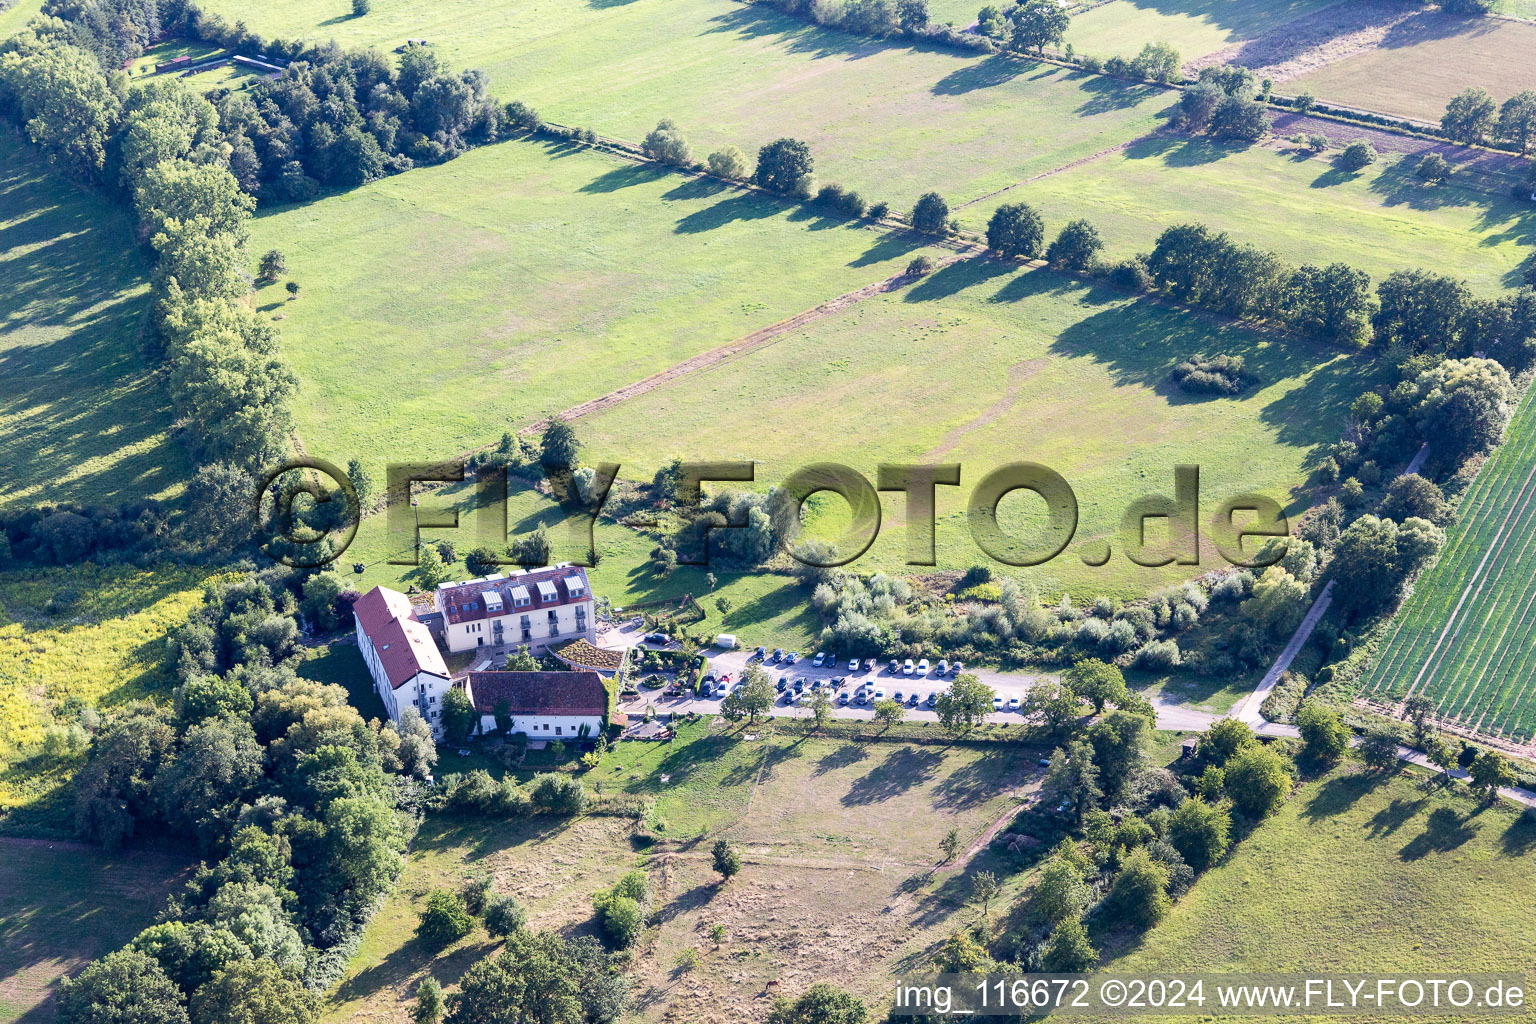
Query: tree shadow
point(624, 177)
point(1444, 831)
point(1393, 816)
point(889, 246)
point(743, 206)
point(980, 780)
point(956, 277)
point(902, 769)
point(1107, 94)
point(695, 187)
point(1520, 838)
point(982, 74)
point(1334, 797)
point(844, 756)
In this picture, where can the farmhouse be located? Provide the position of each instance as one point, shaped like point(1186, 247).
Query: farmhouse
point(407, 668)
point(535, 607)
point(544, 705)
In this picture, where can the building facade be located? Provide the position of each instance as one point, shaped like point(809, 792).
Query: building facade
point(566, 706)
point(407, 668)
point(534, 607)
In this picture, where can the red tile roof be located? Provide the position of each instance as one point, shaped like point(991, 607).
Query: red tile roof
point(404, 646)
point(540, 693)
point(465, 602)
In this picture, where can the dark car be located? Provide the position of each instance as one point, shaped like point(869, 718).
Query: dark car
point(781, 685)
point(778, 654)
point(659, 639)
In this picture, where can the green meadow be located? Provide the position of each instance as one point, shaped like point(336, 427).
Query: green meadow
point(1379, 220)
point(887, 118)
point(82, 417)
point(442, 307)
point(1193, 27)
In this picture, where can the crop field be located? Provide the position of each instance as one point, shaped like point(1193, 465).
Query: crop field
point(885, 118)
point(105, 650)
point(1380, 875)
point(443, 307)
point(1419, 68)
point(81, 416)
point(839, 842)
point(1467, 636)
point(62, 904)
point(1305, 209)
point(1193, 27)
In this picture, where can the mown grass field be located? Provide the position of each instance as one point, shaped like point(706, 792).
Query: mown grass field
point(1379, 220)
point(443, 307)
point(838, 840)
point(883, 117)
point(982, 364)
point(1356, 874)
point(1465, 637)
point(106, 650)
point(81, 416)
point(1194, 27)
point(62, 905)
point(1417, 71)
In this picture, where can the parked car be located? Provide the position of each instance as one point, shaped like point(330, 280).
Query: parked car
point(860, 698)
point(906, 667)
point(725, 678)
point(706, 690)
point(853, 666)
point(898, 698)
point(781, 686)
point(1014, 703)
point(778, 654)
point(932, 699)
point(997, 703)
point(1044, 762)
point(869, 664)
point(818, 660)
point(800, 684)
point(893, 668)
point(815, 685)
point(879, 695)
point(659, 639)
point(912, 701)
point(922, 667)
point(792, 657)
point(956, 668)
point(943, 666)
point(842, 699)
point(761, 654)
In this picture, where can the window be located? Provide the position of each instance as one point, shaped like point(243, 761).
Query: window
point(557, 730)
point(434, 700)
point(436, 714)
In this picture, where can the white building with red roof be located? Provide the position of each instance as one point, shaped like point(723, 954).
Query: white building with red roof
point(407, 668)
point(533, 607)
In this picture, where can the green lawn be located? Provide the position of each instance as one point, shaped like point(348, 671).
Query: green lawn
point(1194, 27)
point(1358, 875)
point(1380, 220)
point(445, 306)
point(984, 365)
point(81, 416)
point(63, 904)
point(888, 119)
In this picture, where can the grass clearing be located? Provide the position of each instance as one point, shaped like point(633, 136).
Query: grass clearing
point(1428, 60)
point(981, 364)
point(82, 415)
point(1464, 637)
point(64, 904)
point(1360, 874)
point(838, 840)
point(445, 306)
point(1379, 220)
point(107, 650)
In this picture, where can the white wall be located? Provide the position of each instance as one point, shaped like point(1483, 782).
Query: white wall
point(463, 636)
point(543, 727)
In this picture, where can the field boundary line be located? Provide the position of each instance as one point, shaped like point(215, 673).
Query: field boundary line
point(1071, 165)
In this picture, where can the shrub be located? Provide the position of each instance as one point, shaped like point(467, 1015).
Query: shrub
point(1158, 656)
point(1132, 275)
point(504, 915)
point(1212, 375)
point(844, 201)
point(879, 211)
point(361, 7)
point(522, 117)
point(920, 266)
point(444, 919)
point(622, 921)
point(1433, 168)
point(1357, 155)
point(665, 144)
point(728, 162)
point(552, 793)
point(1015, 230)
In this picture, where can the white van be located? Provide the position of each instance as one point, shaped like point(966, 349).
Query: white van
point(726, 641)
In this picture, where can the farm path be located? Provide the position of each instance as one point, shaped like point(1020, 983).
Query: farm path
point(741, 346)
point(1073, 165)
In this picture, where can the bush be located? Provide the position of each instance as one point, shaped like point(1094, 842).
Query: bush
point(504, 915)
point(1132, 275)
point(666, 145)
point(879, 211)
point(1212, 375)
point(622, 921)
point(553, 793)
point(444, 919)
point(1433, 168)
point(839, 200)
point(1357, 155)
point(919, 267)
point(1015, 230)
point(728, 162)
point(1076, 248)
point(361, 7)
point(1158, 656)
